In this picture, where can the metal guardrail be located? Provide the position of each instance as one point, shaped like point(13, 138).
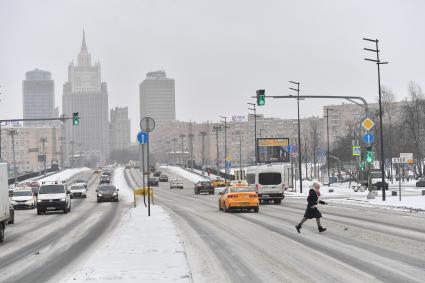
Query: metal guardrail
point(28, 176)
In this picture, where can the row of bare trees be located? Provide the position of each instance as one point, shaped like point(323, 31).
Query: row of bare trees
point(404, 128)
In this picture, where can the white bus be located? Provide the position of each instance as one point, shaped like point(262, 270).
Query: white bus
point(269, 181)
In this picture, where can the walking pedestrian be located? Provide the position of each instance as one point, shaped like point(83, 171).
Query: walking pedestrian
point(312, 211)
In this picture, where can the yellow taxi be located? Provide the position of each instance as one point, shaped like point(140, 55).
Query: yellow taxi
point(238, 197)
point(218, 183)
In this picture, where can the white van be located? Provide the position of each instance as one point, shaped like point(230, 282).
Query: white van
point(268, 181)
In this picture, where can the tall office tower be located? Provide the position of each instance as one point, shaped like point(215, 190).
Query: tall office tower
point(157, 98)
point(120, 128)
point(85, 93)
point(38, 92)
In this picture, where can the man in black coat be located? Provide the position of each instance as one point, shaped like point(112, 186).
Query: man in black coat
point(312, 211)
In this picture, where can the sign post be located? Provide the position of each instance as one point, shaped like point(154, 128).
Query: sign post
point(147, 124)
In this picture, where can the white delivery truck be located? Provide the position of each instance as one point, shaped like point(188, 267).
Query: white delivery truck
point(269, 181)
point(4, 200)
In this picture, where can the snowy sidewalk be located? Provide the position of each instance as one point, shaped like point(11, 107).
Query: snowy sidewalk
point(141, 249)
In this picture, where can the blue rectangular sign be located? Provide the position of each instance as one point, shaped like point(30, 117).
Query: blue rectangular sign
point(143, 138)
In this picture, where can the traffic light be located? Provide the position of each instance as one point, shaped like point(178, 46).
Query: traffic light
point(75, 119)
point(261, 97)
point(362, 166)
point(369, 155)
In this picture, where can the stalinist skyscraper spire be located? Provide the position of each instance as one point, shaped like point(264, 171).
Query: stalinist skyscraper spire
point(85, 93)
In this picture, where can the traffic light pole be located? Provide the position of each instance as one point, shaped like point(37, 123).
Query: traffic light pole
point(255, 130)
point(62, 119)
point(299, 134)
point(381, 133)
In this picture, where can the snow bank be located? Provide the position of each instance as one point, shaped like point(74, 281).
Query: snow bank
point(64, 175)
point(407, 203)
point(141, 249)
point(192, 177)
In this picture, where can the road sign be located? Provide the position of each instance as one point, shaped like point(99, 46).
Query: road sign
point(228, 164)
point(290, 148)
point(368, 124)
point(407, 155)
point(368, 138)
point(357, 151)
point(294, 154)
point(143, 138)
point(147, 124)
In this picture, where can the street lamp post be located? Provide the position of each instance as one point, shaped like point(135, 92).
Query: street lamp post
point(327, 133)
point(255, 129)
point(381, 131)
point(182, 136)
point(203, 134)
point(43, 141)
point(225, 143)
point(261, 132)
point(216, 129)
point(174, 148)
point(299, 132)
point(12, 133)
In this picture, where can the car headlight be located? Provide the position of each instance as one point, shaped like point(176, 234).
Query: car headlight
point(29, 201)
point(13, 202)
point(62, 199)
point(114, 194)
point(99, 195)
point(39, 200)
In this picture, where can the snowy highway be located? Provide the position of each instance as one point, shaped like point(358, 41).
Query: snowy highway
point(38, 248)
point(360, 245)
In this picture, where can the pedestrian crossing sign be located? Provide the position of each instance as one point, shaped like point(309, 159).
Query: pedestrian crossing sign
point(357, 151)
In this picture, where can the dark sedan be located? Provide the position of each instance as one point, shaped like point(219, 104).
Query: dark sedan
point(204, 187)
point(420, 183)
point(163, 178)
point(153, 181)
point(107, 193)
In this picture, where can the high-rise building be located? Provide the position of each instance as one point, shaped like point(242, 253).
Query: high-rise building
point(157, 98)
point(38, 97)
point(119, 128)
point(85, 93)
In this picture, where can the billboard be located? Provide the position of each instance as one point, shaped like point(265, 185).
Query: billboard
point(272, 150)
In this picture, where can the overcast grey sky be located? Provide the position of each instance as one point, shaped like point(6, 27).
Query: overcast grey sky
point(219, 52)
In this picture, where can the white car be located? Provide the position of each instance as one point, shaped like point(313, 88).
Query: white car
point(176, 183)
point(53, 196)
point(78, 190)
point(23, 198)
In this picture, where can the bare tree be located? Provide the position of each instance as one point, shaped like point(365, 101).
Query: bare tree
point(413, 116)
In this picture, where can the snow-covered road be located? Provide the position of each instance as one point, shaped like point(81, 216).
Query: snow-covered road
point(40, 248)
point(360, 245)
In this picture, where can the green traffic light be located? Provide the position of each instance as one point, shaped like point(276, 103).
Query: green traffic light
point(75, 119)
point(261, 97)
point(369, 156)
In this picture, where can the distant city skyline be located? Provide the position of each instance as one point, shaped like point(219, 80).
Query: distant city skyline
point(219, 52)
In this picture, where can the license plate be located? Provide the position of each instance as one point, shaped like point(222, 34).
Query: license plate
point(51, 208)
point(243, 203)
point(265, 196)
point(245, 196)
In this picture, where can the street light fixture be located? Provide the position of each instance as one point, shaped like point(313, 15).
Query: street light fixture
point(225, 143)
point(381, 131)
point(255, 128)
point(327, 132)
point(299, 131)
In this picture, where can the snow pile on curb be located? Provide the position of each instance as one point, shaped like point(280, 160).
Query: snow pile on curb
point(407, 203)
point(64, 175)
point(141, 249)
point(192, 177)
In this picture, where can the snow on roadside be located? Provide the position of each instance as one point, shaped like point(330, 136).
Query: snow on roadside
point(192, 177)
point(64, 175)
point(141, 249)
point(407, 203)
